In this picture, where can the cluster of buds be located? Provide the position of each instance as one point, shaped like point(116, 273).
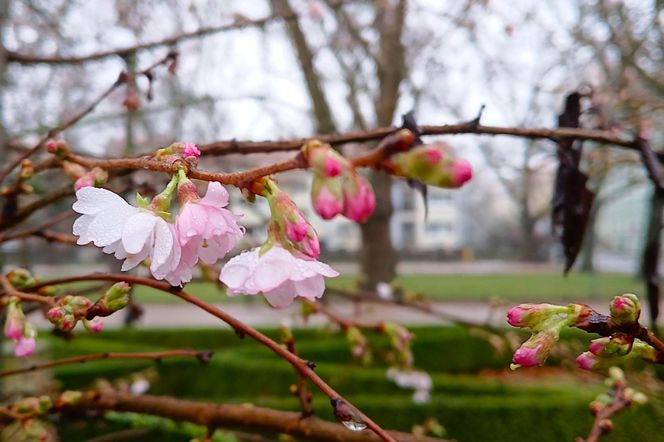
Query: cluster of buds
point(545, 321)
point(28, 425)
point(71, 309)
point(400, 340)
point(432, 164)
point(337, 189)
point(359, 345)
point(617, 398)
point(620, 347)
point(289, 226)
point(82, 177)
point(19, 330)
point(176, 151)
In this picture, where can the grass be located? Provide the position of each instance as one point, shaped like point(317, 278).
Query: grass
point(513, 287)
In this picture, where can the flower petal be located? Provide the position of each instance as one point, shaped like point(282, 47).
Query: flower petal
point(80, 229)
point(215, 195)
point(163, 243)
point(106, 227)
point(282, 295)
point(311, 288)
point(137, 231)
point(92, 200)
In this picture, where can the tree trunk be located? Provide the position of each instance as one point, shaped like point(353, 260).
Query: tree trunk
point(378, 258)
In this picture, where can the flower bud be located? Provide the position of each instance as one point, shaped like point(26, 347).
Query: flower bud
point(27, 170)
point(21, 278)
point(625, 309)
point(536, 349)
point(190, 151)
point(15, 322)
point(289, 222)
point(324, 160)
point(116, 298)
point(58, 148)
point(96, 177)
point(359, 199)
point(529, 315)
point(73, 171)
point(586, 360)
point(327, 197)
point(69, 397)
point(432, 164)
point(94, 326)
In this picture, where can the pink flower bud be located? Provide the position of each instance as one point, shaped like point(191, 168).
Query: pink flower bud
point(432, 164)
point(359, 198)
point(87, 180)
point(289, 224)
point(296, 226)
point(332, 166)
point(598, 346)
point(625, 309)
point(54, 314)
point(536, 350)
point(586, 360)
point(462, 172)
point(191, 151)
point(323, 160)
point(13, 329)
point(527, 356)
point(25, 347)
point(95, 326)
point(327, 203)
point(15, 322)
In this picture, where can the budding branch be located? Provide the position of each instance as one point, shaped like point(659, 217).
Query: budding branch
point(299, 364)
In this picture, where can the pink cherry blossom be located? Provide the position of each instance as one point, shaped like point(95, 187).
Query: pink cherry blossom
point(205, 230)
point(25, 347)
point(277, 274)
point(128, 232)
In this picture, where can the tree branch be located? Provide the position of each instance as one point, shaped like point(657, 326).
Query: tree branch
point(302, 366)
point(237, 416)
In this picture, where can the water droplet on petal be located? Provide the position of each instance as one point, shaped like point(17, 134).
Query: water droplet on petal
point(347, 416)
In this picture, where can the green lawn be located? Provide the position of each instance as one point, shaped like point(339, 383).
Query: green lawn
point(514, 287)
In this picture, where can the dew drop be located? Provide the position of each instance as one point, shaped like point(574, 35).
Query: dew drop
point(354, 425)
point(347, 416)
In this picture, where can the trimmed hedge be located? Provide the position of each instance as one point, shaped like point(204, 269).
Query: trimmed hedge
point(470, 407)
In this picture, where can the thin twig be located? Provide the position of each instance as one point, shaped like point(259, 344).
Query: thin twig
point(203, 356)
point(9, 290)
point(238, 23)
